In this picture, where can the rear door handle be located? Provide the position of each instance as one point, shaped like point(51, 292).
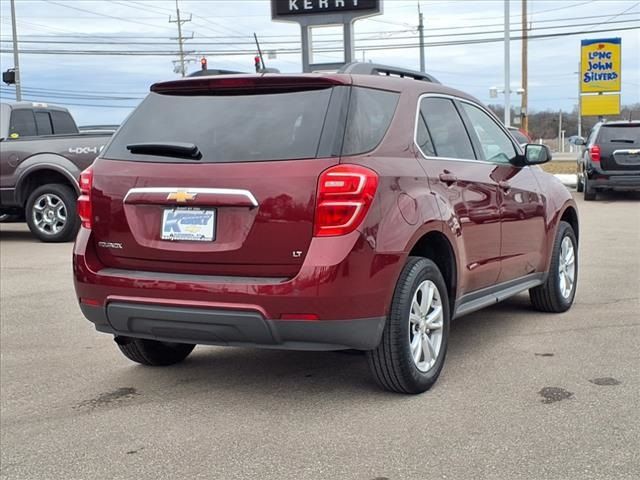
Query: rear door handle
point(504, 186)
point(448, 178)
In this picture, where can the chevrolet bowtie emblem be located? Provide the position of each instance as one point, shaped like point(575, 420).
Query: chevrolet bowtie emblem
point(181, 196)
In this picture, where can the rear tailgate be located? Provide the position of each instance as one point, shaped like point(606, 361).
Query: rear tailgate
point(244, 203)
point(619, 147)
point(262, 220)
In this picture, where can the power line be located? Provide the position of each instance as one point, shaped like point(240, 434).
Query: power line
point(75, 42)
point(79, 104)
point(29, 91)
point(99, 14)
point(337, 35)
point(326, 49)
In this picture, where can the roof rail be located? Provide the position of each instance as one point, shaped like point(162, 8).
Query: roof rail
point(361, 68)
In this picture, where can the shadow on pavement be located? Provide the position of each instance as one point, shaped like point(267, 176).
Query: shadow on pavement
point(612, 197)
point(293, 374)
point(10, 232)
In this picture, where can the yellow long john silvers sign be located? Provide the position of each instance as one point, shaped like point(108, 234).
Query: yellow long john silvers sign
point(601, 65)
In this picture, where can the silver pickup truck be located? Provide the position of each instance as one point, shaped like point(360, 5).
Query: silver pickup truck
point(42, 153)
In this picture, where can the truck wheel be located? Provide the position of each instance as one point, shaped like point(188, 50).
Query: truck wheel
point(414, 341)
point(51, 213)
point(589, 191)
point(153, 353)
point(557, 293)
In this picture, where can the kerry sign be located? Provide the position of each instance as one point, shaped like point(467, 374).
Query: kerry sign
point(285, 8)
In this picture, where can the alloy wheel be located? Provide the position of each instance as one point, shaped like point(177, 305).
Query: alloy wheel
point(426, 321)
point(567, 267)
point(49, 214)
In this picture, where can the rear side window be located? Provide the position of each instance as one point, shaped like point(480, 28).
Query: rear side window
point(370, 113)
point(620, 134)
point(22, 124)
point(448, 133)
point(63, 123)
point(233, 128)
point(43, 122)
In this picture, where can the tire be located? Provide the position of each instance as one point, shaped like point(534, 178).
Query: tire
point(392, 362)
point(153, 353)
point(580, 183)
point(549, 297)
point(51, 213)
point(589, 192)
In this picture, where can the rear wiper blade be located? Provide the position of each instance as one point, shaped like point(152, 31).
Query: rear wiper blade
point(166, 149)
point(622, 140)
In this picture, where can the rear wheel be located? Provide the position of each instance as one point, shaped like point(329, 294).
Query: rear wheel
point(152, 352)
point(589, 191)
point(557, 293)
point(51, 213)
point(411, 353)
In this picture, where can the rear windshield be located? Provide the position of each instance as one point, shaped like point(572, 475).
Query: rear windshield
point(259, 127)
point(622, 134)
point(236, 128)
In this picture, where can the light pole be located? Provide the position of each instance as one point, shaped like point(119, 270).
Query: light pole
point(16, 64)
point(507, 65)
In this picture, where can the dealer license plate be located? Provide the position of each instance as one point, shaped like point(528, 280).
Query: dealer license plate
point(188, 224)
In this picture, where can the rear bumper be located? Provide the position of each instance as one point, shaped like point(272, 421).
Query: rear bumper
point(343, 283)
point(237, 328)
point(616, 181)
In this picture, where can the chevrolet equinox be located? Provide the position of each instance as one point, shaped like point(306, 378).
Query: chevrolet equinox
point(363, 209)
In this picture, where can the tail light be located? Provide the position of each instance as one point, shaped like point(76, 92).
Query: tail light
point(345, 193)
point(84, 201)
point(594, 151)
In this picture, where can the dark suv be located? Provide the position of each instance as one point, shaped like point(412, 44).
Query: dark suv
point(610, 159)
point(316, 212)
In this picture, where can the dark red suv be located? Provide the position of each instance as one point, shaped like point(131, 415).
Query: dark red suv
point(316, 212)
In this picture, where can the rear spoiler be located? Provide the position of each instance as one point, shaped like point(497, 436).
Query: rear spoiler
point(229, 84)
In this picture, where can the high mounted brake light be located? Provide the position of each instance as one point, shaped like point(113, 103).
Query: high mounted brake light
point(345, 193)
point(594, 151)
point(228, 84)
point(84, 201)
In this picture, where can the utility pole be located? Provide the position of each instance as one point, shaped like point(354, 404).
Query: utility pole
point(507, 65)
point(181, 39)
point(525, 69)
point(560, 147)
point(16, 63)
point(421, 32)
point(579, 99)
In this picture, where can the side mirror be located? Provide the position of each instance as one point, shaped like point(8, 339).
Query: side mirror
point(534, 154)
point(580, 141)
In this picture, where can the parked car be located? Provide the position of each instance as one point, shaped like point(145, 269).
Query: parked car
point(610, 159)
point(354, 210)
point(42, 154)
point(520, 135)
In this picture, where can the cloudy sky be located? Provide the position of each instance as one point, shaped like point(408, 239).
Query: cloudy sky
point(60, 39)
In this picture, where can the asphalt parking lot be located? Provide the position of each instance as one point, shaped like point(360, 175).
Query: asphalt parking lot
point(522, 395)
